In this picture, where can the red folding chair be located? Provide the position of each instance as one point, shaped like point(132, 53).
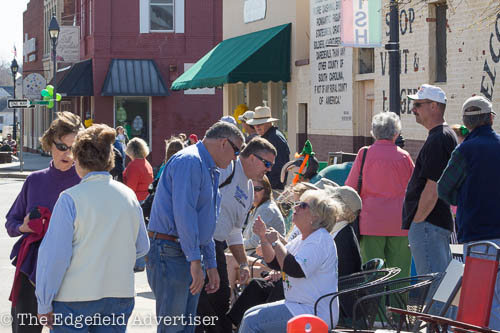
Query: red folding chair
point(306, 323)
point(477, 290)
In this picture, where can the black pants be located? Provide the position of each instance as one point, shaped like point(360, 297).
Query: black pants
point(24, 313)
point(217, 304)
point(258, 291)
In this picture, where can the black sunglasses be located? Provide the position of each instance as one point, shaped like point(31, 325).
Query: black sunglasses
point(416, 105)
point(61, 146)
point(235, 148)
point(301, 205)
point(258, 188)
point(267, 164)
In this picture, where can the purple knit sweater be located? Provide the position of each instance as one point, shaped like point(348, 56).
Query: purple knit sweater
point(41, 188)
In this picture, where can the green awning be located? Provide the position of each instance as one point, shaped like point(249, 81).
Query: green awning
point(260, 56)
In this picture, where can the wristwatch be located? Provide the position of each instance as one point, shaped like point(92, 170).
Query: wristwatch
point(273, 244)
point(243, 265)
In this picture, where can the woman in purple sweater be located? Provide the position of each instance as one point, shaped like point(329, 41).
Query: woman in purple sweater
point(41, 189)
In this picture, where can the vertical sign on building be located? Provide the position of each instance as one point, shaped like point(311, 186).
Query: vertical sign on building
point(361, 23)
point(331, 72)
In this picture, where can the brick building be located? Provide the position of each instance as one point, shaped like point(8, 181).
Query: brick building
point(129, 53)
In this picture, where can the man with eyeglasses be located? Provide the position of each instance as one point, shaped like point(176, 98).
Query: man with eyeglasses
point(182, 223)
point(470, 181)
point(236, 201)
point(263, 123)
point(427, 217)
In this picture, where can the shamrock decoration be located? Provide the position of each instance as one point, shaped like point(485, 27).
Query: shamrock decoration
point(48, 95)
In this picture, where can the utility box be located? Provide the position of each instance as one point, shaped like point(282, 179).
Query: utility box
point(340, 157)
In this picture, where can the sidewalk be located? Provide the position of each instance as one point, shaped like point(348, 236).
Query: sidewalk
point(32, 162)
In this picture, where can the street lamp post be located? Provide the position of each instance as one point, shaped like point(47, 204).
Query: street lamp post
point(14, 68)
point(394, 65)
point(54, 35)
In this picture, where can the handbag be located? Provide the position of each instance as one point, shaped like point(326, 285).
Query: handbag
point(355, 224)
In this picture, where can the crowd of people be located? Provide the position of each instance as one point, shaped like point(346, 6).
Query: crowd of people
point(99, 213)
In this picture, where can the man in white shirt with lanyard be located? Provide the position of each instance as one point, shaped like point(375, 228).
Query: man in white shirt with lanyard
point(236, 190)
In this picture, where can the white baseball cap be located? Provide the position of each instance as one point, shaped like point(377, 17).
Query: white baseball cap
point(246, 116)
point(432, 93)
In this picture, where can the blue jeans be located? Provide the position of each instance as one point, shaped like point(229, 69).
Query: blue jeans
point(430, 248)
point(169, 276)
point(108, 314)
point(495, 305)
point(270, 317)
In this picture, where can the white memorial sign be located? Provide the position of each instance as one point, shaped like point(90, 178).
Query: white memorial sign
point(331, 70)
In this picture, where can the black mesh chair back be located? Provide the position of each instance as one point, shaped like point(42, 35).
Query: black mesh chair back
point(405, 293)
point(352, 282)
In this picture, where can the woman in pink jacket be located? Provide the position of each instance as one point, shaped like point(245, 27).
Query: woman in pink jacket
point(386, 173)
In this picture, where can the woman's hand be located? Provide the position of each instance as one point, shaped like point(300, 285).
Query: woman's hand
point(24, 228)
point(259, 228)
point(272, 235)
point(273, 276)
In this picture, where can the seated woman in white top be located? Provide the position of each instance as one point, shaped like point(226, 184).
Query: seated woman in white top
point(308, 264)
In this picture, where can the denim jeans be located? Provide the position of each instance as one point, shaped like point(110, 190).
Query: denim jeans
point(495, 305)
point(169, 276)
point(270, 317)
point(430, 248)
point(108, 314)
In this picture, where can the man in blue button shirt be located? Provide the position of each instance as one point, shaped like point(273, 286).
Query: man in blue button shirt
point(182, 225)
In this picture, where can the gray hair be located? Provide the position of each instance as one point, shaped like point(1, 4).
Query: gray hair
point(324, 207)
point(385, 125)
point(473, 121)
point(257, 145)
point(137, 148)
point(223, 130)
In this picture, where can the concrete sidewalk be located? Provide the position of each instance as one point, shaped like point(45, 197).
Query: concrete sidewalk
point(32, 162)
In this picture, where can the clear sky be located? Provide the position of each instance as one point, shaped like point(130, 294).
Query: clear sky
point(11, 27)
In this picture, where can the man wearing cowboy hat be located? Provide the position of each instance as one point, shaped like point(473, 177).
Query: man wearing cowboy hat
point(263, 123)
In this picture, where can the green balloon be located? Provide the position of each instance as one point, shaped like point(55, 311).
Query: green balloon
point(58, 97)
point(51, 104)
point(45, 92)
point(50, 89)
point(46, 98)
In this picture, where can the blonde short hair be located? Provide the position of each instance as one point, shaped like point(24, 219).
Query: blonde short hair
point(324, 207)
point(137, 148)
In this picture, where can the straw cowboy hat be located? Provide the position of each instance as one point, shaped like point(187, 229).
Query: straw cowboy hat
point(262, 115)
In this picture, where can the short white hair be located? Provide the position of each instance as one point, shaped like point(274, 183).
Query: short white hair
point(385, 126)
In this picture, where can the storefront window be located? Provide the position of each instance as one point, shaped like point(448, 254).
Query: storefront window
point(133, 114)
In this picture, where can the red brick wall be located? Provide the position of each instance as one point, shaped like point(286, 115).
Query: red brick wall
point(116, 35)
point(33, 26)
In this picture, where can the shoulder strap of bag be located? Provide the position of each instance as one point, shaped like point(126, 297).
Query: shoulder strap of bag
point(360, 178)
point(230, 178)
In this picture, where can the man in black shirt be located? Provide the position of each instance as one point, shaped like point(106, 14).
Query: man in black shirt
point(427, 217)
point(263, 123)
